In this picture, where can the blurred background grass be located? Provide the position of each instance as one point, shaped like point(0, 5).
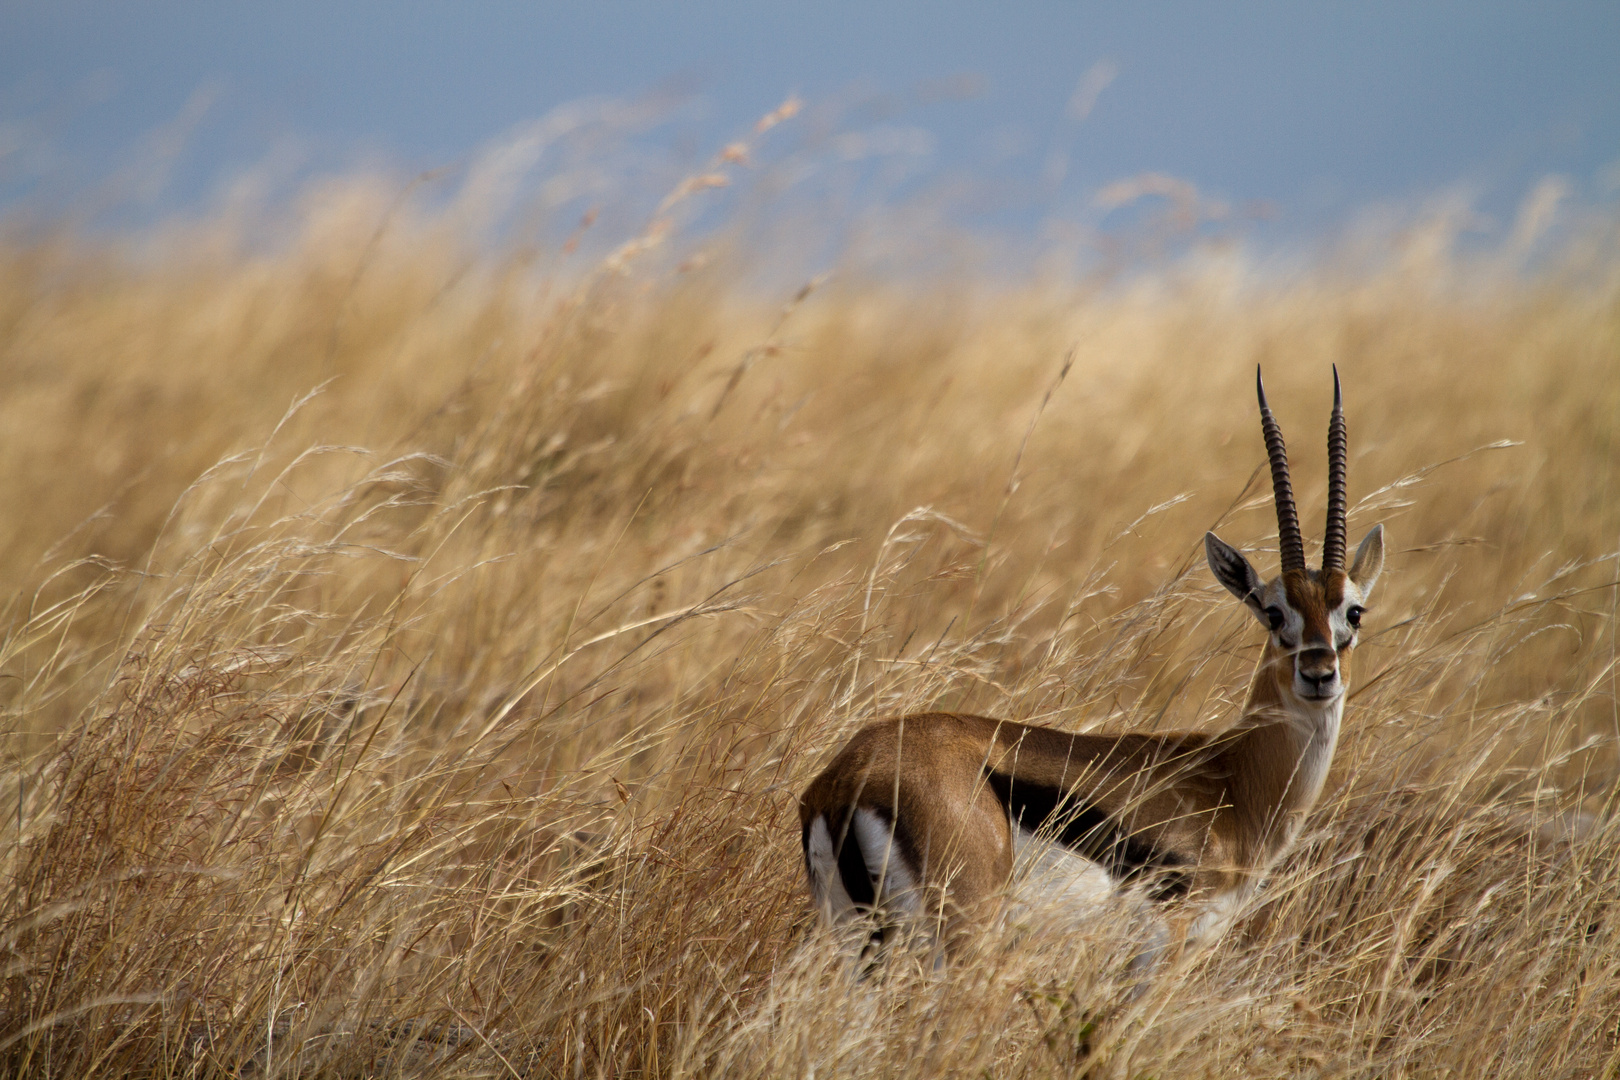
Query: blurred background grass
point(413, 649)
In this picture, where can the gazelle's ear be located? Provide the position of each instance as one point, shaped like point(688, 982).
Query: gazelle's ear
point(1231, 569)
point(1369, 560)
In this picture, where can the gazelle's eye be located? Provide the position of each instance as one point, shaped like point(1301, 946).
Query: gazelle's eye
point(1353, 615)
point(1274, 615)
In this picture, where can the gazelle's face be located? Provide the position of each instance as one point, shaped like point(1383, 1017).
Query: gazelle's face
point(1313, 616)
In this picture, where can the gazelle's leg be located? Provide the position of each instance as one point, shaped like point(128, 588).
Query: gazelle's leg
point(969, 864)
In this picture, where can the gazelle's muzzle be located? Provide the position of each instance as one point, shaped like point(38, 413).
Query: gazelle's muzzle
point(1316, 674)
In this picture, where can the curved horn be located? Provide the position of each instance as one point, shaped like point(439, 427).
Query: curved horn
point(1291, 546)
point(1333, 541)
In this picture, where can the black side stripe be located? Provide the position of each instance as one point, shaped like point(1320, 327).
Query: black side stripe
point(1088, 831)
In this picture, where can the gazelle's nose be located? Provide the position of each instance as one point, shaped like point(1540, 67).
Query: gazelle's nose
point(1317, 669)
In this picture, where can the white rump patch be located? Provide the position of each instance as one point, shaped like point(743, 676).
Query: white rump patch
point(894, 883)
point(831, 899)
point(892, 880)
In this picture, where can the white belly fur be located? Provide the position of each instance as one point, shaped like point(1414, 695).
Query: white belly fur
point(1050, 882)
point(1048, 877)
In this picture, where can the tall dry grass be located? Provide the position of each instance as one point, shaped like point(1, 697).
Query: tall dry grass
point(412, 656)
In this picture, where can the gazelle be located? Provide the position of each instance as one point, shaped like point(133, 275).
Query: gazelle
point(921, 816)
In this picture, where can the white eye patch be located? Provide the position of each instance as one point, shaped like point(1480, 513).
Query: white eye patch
point(1275, 599)
point(1344, 630)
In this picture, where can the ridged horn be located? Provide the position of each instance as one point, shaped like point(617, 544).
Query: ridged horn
point(1333, 541)
point(1289, 542)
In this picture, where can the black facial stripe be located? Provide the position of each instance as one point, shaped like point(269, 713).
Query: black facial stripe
point(1089, 832)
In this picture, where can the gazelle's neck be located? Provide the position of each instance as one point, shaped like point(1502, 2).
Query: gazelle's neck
point(1279, 757)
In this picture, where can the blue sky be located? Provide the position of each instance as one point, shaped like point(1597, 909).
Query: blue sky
point(1313, 111)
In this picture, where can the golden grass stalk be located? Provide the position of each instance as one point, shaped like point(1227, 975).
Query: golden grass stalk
point(475, 752)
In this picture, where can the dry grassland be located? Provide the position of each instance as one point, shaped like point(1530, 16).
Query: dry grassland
point(411, 656)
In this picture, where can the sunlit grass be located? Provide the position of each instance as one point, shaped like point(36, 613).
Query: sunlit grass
point(413, 657)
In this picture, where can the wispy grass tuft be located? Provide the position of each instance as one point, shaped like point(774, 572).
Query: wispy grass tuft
point(412, 657)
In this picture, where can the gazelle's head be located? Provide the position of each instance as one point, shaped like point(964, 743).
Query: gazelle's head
point(1313, 616)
